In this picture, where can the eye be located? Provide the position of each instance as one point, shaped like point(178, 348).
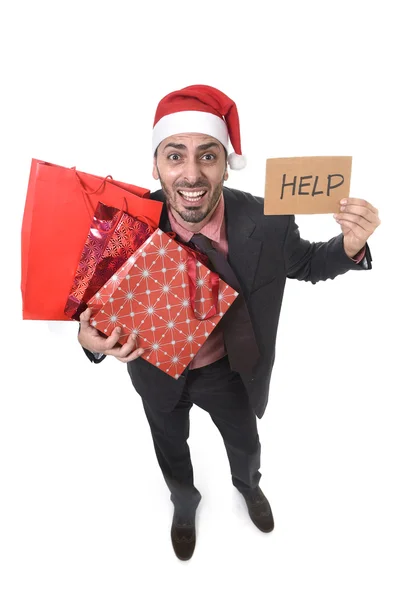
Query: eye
point(174, 156)
point(209, 156)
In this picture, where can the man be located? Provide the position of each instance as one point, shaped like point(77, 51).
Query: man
point(230, 375)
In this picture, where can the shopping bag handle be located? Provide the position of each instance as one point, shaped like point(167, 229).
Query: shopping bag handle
point(85, 192)
point(151, 224)
point(95, 191)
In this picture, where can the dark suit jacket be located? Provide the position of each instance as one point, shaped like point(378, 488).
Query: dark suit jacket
point(263, 251)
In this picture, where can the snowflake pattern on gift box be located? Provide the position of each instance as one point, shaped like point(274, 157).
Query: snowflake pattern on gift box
point(150, 295)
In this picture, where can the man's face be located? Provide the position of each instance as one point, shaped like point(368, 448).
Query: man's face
point(191, 168)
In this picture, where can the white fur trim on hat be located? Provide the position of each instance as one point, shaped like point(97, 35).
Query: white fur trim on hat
point(190, 121)
point(236, 161)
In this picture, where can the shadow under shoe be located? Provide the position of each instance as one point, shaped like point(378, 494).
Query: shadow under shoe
point(259, 509)
point(183, 535)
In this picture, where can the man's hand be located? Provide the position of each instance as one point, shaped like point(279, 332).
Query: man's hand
point(90, 338)
point(358, 220)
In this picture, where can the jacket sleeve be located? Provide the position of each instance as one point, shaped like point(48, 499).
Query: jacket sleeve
point(94, 357)
point(318, 261)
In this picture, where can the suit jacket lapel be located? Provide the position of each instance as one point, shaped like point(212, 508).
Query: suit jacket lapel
point(244, 250)
point(164, 219)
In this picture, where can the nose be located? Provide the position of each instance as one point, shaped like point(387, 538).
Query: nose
point(191, 170)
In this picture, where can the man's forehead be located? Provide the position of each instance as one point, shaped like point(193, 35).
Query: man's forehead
point(190, 140)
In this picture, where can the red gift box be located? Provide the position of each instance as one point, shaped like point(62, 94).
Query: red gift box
point(168, 298)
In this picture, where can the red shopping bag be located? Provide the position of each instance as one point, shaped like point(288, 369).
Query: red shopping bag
point(113, 237)
point(59, 209)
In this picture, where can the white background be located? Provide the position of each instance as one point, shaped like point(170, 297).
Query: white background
point(80, 84)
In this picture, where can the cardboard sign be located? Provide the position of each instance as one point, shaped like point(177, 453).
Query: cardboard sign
point(306, 185)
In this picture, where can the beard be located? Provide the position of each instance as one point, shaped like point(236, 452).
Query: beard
point(191, 214)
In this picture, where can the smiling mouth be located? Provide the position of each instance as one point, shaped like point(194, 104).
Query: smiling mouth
point(192, 197)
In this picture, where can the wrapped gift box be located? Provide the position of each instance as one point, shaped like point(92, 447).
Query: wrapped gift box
point(168, 298)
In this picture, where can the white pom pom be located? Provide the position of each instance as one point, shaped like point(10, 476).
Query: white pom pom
point(236, 161)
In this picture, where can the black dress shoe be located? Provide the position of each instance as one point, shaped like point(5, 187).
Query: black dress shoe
point(259, 509)
point(183, 536)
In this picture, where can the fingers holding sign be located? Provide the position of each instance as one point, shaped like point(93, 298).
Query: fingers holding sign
point(358, 219)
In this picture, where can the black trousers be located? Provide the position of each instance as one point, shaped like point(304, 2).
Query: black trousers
point(219, 391)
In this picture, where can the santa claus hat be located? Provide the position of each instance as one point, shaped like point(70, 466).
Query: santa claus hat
point(200, 109)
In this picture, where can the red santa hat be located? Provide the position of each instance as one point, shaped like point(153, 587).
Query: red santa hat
point(200, 109)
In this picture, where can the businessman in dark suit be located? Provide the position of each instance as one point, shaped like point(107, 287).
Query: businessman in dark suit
point(230, 375)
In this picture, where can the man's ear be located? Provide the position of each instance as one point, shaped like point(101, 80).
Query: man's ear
point(155, 173)
point(226, 174)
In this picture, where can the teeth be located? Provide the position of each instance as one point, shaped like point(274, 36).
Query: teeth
point(192, 194)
